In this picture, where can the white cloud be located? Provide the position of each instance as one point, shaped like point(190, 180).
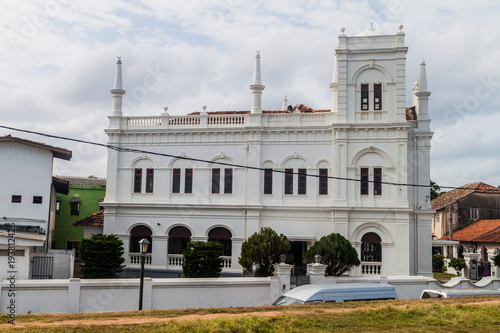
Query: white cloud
point(57, 63)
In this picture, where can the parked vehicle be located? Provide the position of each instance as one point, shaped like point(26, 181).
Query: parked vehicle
point(445, 293)
point(338, 292)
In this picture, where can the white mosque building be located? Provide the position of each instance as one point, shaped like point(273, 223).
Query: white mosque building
point(344, 169)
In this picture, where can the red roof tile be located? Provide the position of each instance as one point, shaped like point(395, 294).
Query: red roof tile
point(411, 114)
point(94, 220)
point(478, 230)
point(461, 192)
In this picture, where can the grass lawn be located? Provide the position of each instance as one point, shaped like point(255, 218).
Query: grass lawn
point(471, 314)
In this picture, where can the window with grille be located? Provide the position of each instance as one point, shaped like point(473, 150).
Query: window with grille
point(302, 181)
point(377, 181)
point(228, 181)
point(364, 97)
point(150, 173)
point(323, 181)
point(137, 180)
point(268, 181)
point(176, 180)
point(364, 181)
point(288, 181)
point(215, 180)
point(188, 181)
point(377, 97)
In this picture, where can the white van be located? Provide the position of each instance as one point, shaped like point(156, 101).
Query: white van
point(445, 293)
point(338, 292)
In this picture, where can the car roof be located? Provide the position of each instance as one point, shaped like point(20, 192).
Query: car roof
point(306, 291)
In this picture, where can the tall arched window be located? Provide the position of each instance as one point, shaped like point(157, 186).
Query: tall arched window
point(223, 236)
point(136, 234)
point(178, 238)
point(371, 247)
point(484, 254)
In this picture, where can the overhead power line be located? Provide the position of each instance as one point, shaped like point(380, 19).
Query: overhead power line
point(137, 151)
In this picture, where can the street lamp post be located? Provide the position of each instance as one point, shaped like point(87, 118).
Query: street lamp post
point(143, 248)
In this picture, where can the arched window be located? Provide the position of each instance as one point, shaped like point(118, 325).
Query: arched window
point(223, 236)
point(371, 247)
point(484, 254)
point(139, 232)
point(178, 238)
point(460, 251)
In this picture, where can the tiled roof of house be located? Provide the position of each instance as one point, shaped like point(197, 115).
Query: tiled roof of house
point(84, 180)
point(461, 192)
point(411, 113)
point(94, 220)
point(478, 230)
point(58, 152)
point(302, 108)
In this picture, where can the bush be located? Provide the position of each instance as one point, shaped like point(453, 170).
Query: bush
point(262, 250)
point(336, 252)
point(202, 260)
point(458, 264)
point(102, 256)
point(496, 260)
point(438, 263)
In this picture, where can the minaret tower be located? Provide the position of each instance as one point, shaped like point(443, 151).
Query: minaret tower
point(117, 92)
point(257, 87)
point(422, 93)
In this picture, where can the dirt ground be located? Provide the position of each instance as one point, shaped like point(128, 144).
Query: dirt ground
point(120, 320)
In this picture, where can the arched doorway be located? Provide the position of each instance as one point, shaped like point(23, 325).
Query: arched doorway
point(223, 236)
point(371, 253)
point(178, 238)
point(136, 234)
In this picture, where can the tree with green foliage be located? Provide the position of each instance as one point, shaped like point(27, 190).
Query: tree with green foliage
point(102, 256)
point(458, 264)
point(262, 250)
point(202, 260)
point(336, 252)
point(435, 190)
point(496, 260)
point(438, 263)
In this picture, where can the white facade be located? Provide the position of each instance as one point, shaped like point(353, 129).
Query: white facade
point(27, 199)
point(363, 145)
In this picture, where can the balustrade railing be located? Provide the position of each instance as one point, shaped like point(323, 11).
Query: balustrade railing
point(175, 260)
point(371, 268)
point(238, 120)
point(235, 119)
point(183, 120)
point(226, 262)
point(143, 121)
point(135, 259)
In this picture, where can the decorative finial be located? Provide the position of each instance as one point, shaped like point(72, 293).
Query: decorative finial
point(342, 30)
point(371, 26)
point(119, 61)
point(400, 27)
point(204, 107)
point(165, 108)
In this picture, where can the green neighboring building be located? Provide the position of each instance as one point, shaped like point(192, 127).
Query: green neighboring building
point(83, 199)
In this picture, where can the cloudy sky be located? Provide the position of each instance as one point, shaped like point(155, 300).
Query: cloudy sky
point(57, 63)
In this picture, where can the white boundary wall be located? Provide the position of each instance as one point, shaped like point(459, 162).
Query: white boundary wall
point(75, 295)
